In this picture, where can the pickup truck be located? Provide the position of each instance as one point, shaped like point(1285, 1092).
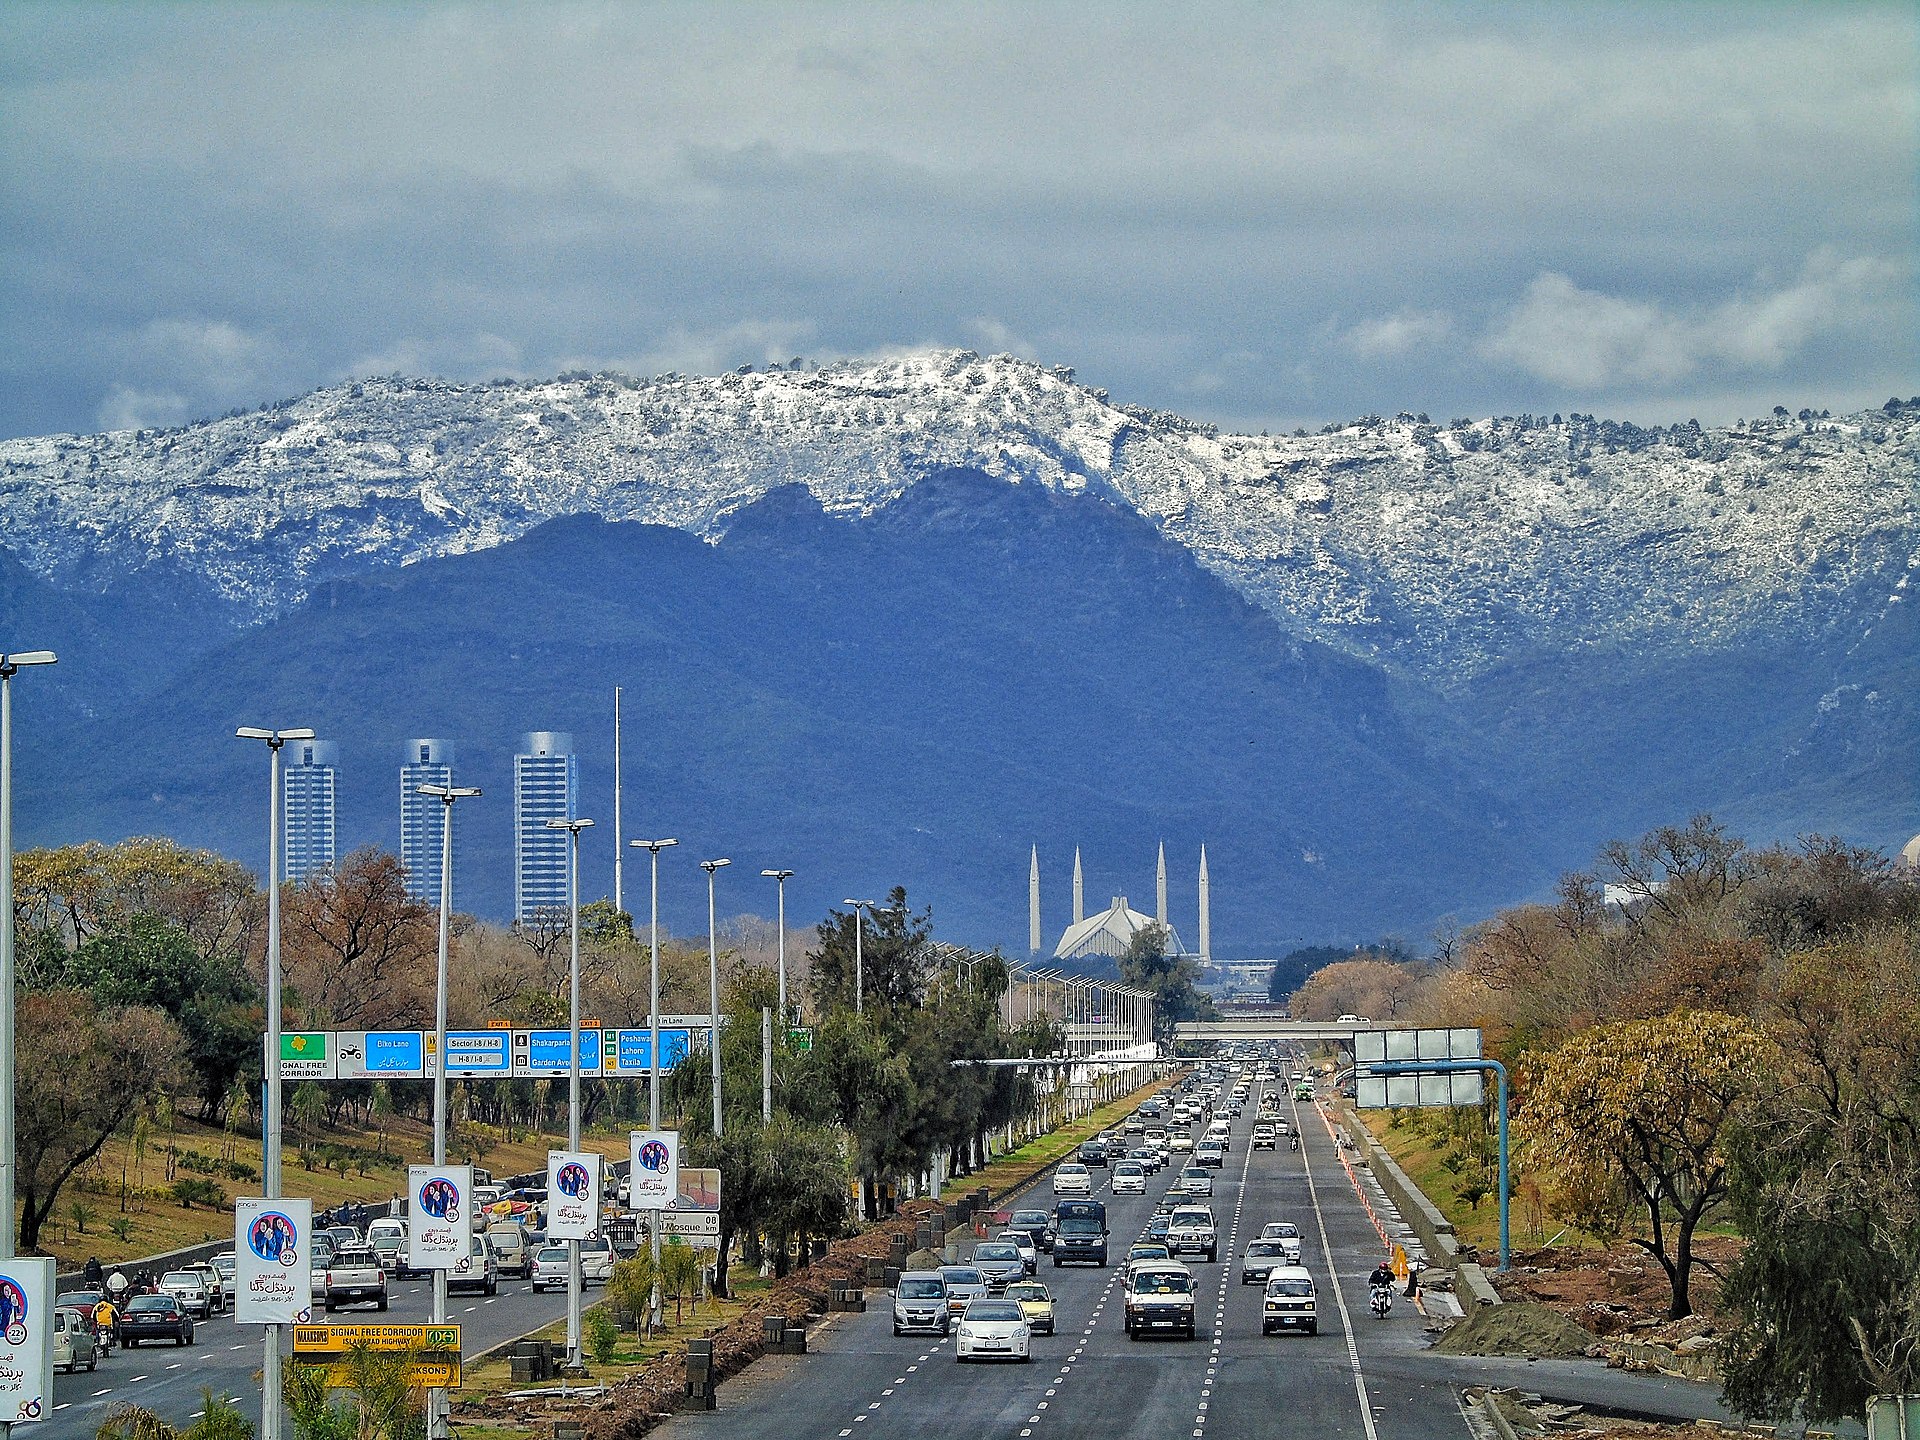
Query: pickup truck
point(1191, 1229)
point(354, 1276)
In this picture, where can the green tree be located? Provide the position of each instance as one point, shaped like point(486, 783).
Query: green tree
point(1824, 1179)
point(1634, 1115)
point(77, 1069)
point(1170, 979)
point(892, 951)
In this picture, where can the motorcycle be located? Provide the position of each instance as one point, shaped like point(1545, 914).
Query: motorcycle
point(1380, 1300)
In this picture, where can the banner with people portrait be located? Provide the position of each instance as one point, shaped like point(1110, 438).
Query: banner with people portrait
point(26, 1340)
point(272, 1262)
point(439, 1215)
point(573, 1194)
point(654, 1178)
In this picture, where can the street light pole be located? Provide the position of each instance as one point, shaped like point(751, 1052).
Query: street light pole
point(780, 878)
point(653, 848)
point(446, 795)
point(270, 1105)
point(573, 829)
point(10, 665)
point(713, 994)
point(859, 960)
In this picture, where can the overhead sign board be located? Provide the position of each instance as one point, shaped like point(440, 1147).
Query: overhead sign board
point(1411, 1048)
point(379, 1054)
point(26, 1340)
point(376, 1337)
point(550, 1053)
point(307, 1055)
point(273, 1269)
point(630, 1051)
point(477, 1052)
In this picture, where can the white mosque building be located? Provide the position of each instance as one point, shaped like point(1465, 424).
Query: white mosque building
point(1107, 934)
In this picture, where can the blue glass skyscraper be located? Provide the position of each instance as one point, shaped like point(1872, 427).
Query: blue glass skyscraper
point(311, 786)
point(546, 786)
point(424, 762)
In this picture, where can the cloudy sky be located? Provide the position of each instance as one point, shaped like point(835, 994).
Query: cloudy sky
point(1263, 215)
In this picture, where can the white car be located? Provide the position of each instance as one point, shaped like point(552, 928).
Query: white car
point(73, 1344)
point(1287, 1234)
point(993, 1329)
point(1021, 1240)
point(1195, 1180)
point(1072, 1179)
point(1129, 1178)
point(1179, 1141)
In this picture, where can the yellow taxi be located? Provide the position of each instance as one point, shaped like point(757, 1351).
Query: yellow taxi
point(1035, 1303)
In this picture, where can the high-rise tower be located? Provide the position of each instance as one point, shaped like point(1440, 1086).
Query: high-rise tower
point(1079, 891)
point(1206, 913)
point(1160, 887)
point(424, 762)
point(546, 786)
point(311, 775)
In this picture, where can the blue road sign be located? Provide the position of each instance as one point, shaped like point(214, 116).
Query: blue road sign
point(550, 1052)
point(478, 1052)
point(632, 1051)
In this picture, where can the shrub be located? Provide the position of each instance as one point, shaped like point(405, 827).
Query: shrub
point(602, 1336)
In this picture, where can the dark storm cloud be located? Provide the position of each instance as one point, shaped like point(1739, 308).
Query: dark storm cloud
point(1259, 214)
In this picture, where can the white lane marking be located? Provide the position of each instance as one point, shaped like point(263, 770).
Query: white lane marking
point(65, 1403)
point(136, 1379)
point(176, 1364)
point(1346, 1319)
point(109, 1390)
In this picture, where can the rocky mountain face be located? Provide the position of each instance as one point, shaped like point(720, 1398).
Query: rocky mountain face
point(1531, 632)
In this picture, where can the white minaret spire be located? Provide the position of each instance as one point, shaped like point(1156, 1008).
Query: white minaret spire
point(1079, 892)
point(1033, 902)
point(1160, 887)
point(1206, 913)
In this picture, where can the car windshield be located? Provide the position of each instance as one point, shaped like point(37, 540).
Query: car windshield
point(1029, 1217)
point(1266, 1248)
point(996, 1252)
point(1147, 1252)
point(150, 1302)
point(1071, 1170)
point(995, 1310)
point(1280, 1230)
point(1163, 1282)
point(1194, 1172)
point(1128, 1167)
point(922, 1289)
point(181, 1277)
point(1028, 1291)
point(1296, 1288)
point(1192, 1217)
point(962, 1275)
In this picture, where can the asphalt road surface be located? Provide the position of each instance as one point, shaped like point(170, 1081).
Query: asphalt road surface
point(1357, 1377)
point(168, 1380)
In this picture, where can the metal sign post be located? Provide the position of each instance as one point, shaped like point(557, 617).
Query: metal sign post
point(1455, 1067)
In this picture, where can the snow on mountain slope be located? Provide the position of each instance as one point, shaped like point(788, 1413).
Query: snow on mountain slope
point(1435, 549)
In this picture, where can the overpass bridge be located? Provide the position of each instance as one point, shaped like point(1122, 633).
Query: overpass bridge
point(1269, 1027)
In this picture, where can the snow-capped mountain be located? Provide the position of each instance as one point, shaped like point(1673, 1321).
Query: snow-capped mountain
point(1439, 550)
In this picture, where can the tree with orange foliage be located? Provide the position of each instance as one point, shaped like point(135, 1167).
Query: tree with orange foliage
point(1632, 1116)
point(359, 952)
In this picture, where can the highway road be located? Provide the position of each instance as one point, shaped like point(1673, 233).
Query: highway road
point(168, 1379)
point(1360, 1376)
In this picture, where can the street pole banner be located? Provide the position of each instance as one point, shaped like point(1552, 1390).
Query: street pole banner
point(439, 1222)
point(653, 1180)
point(272, 1265)
point(573, 1194)
point(26, 1340)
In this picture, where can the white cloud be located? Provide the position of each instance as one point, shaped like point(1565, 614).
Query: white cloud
point(719, 348)
point(126, 408)
point(1391, 336)
point(1571, 336)
point(216, 354)
point(998, 338)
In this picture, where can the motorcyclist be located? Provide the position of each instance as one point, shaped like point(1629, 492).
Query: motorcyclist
point(104, 1318)
point(1382, 1276)
point(93, 1272)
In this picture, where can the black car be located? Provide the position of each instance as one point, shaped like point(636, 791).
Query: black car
point(1093, 1153)
point(1037, 1224)
point(155, 1317)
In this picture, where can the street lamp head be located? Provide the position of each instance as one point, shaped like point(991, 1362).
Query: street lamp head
point(272, 737)
point(19, 658)
point(777, 874)
point(712, 865)
point(448, 793)
point(656, 846)
point(576, 826)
